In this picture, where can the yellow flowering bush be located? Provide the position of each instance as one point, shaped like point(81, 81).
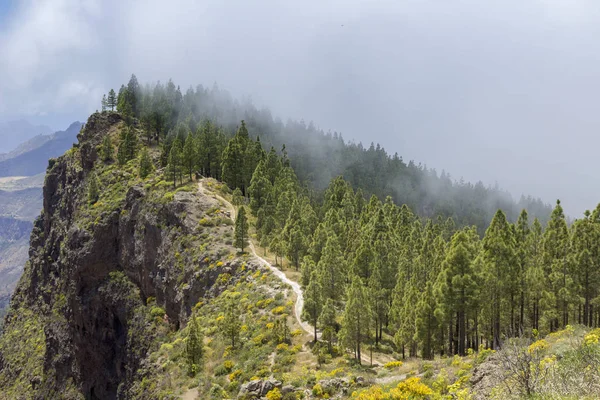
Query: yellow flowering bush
point(317, 390)
point(393, 364)
point(235, 375)
point(295, 349)
point(274, 394)
point(590, 339)
point(278, 310)
point(537, 346)
point(224, 278)
point(282, 347)
point(228, 364)
point(411, 388)
point(259, 339)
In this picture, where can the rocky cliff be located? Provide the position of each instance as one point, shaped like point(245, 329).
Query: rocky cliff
point(104, 280)
point(14, 238)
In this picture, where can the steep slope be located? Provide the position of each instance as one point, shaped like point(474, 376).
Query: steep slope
point(14, 132)
point(14, 239)
point(21, 195)
point(33, 158)
point(80, 322)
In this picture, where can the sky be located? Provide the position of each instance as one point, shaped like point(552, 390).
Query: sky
point(502, 91)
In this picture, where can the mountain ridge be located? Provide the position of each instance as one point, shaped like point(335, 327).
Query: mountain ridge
point(32, 158)
point(12, 133)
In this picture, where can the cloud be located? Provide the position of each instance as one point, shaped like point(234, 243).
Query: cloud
point(502, 91)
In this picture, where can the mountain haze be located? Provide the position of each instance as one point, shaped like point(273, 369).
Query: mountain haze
point(13, 133)
point(31, 158)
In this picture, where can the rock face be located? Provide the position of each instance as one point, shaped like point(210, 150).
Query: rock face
point(486, 376)
point(87, 281)
point(258, 388)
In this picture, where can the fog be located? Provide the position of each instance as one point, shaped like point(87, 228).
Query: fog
point(504, 92)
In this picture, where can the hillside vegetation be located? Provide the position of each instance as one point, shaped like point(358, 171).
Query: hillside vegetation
point(142, 286)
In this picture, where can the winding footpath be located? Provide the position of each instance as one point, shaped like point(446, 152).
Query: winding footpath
point(276, 271)
point(192, 394)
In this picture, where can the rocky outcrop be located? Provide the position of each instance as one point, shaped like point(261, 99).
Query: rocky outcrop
point(258, 388)
point(485, 377)
point(89, 280)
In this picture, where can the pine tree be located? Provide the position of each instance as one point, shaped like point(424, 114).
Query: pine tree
point(522, 236)
point(146, 165)
point(307, 268)
point(272, 165)
point(281, 330)
point(427, 326)
point(356, 318)
point(127, 146)
point(188, 157)
point(319, 240)
point(260, 187)
point(277, 247)
point(194, 348)
point(239, 160)
point(230, 324)
point(378, 303)
point(328, 323)
point(107, 149)
point(501, 279)
point(458, 285)
point(174, 164)
point(330, 270)
point(406, 336)
point(585, 241)
point(556, 262)
point(241, 229)
point(237, 198)
point(133, 94)
point(535, 278)
point(104, 103)
point(312, 302)
point(93, 189)
point(111, 100)
point(295, 236)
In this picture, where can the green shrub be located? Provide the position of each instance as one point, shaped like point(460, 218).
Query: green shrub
point(157, 312)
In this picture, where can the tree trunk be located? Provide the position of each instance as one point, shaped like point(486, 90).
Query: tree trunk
point(476, 331)
point(497, 325)
point(512, 314)
point(522, 312)
point(461, 333)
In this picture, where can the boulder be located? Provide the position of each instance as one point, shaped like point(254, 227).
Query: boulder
point(287, 389)
point(258, 388)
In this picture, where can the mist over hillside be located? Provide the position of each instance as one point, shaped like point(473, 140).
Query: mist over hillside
point(318, 156)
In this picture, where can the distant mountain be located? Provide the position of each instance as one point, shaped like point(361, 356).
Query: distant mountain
point(24, 147)
point(12, 133)
point(23, 204)
point(31, 158)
